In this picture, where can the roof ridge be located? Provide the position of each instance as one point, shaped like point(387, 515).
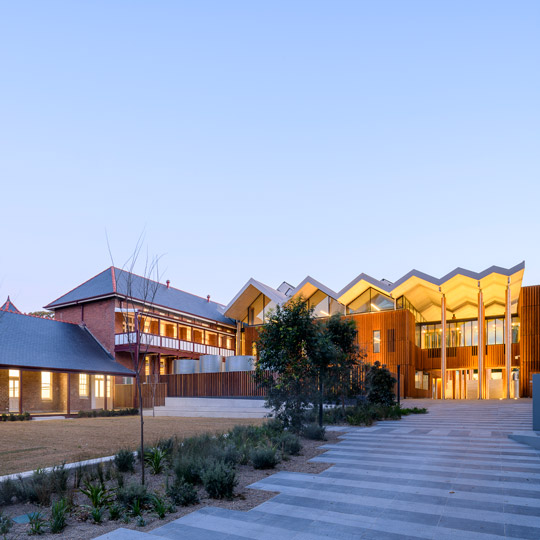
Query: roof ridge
point(165, 285)
point(77, 286)
point(40, 318)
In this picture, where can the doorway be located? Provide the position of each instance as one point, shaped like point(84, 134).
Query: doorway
point(14, 390)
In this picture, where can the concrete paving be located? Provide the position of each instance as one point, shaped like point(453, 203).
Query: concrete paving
point(450, 474)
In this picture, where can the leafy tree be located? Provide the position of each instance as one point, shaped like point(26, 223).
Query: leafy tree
point(42, 314)
point(308, 360)
point(380, 385)
point(287, 344)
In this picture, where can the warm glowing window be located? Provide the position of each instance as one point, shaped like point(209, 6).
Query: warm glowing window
point(162, 366)
point(109, 387)
point(376, 341)
point(83, 385)
point(99, 386)
point(13, 383)
point(46, 385)
point(147, 366)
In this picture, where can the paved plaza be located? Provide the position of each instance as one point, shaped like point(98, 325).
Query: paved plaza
point(450, 474)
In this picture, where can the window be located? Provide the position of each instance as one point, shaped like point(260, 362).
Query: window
point(370, 301)
point(162, 366)
point(146, 366)
point(46, 385)
point(495, 331)
point(99, 384)
point(421, 380)
point(13, 383)
point(376, 341)
point(515, 329)
point(83, 385)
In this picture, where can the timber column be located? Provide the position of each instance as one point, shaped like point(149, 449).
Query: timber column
point(508, 338)
point(481, 325)
point(443, 346)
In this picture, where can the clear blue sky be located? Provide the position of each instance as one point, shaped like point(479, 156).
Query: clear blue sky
point(267, 139)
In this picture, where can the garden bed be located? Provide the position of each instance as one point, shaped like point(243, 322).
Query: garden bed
point(80, 524)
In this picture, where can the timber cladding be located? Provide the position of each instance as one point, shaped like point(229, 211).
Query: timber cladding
point(529, 314)
point(396, 346)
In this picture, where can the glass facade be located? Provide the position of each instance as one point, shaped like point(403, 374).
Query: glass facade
point(323, 305)
point(403, 303)
point(370, 301)
point(259, 310)
point(464, 333)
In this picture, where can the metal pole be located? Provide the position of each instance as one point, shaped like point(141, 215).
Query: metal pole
point(398, 383)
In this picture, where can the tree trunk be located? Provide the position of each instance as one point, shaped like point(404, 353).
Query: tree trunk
point(139, 387)
point(321, 399)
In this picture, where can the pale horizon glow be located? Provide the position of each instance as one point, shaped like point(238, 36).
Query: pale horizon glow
point(271, 140)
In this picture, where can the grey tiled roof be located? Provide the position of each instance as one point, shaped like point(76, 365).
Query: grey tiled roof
point(9, 306)
point(32, 342)
point(115, 281)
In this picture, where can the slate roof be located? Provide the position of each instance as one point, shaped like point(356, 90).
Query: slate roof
point(115, 282)
point(9, 306)
point(33, 342)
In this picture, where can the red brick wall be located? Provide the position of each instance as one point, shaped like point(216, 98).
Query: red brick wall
point(4, 390)
point(98, 317)
point(31, 393)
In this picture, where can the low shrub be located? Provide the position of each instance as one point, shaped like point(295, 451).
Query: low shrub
point(183, 494)
point(159, 506)
point(11, 417)
point(57, 521)
point(265, 457)
point(6, 523)
point(115, 512)
point(98, 494)
point(8, 492)
point(219, 480)
point(36, 522)
point(155, 458)
point(314, 432)
point(108, 412)
point(97, 514)
point(189, 468)
point(288, 443)
point(124, 460)
point(127, 495)
point(413, 410)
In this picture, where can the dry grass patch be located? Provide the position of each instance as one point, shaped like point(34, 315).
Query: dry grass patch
point(26, 446)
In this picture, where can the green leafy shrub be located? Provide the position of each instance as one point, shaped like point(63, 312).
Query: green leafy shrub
point(115, 512)
point(288, 443)
point(109, 412)
point(141, 522)
point(159, 506)
point(265, 457)
point(129, 494)
point(98, 494)
point(36, 522)
point(97, 514)
point(124, 460)
point(183, 493)
point(6, 523)
point(314, 432)
point(413, 410)
point(380, 385)
point(219, 480)
point(155, 458)
point(57, 521)
point(8, 492)
point(189, 468)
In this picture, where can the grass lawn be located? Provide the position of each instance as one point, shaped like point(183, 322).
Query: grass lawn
point(25, 446)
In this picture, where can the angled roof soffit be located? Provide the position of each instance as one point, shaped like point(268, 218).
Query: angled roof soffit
point(237, 307)
point(460, 288)
point(309, 286)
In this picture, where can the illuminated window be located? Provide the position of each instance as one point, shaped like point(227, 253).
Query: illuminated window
point(376, 341)
point(13, 383)
point(46, 385)
point(99, 386)
point(109, 387)
point(83, 385)
point(162, 366)
point(370, 301)
point(147, 366)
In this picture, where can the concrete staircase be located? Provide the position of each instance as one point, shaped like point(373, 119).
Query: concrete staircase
point(212, 408)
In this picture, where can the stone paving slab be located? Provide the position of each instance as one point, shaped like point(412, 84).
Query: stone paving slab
point(450, 474)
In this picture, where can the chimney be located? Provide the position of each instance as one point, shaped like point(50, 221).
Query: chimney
point(208, 298)
point(168, 284)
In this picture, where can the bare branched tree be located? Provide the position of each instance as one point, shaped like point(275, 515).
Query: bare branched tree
point(138, 293)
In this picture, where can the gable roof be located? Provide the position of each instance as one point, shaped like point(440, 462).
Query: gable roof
point(9, 306)
point(36, 343)
point(309, 286)
point(117, 282)
point(248, 293)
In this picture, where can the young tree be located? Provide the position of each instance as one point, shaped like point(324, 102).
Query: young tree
point(380, 385)
point(138, 297)
point(287, 345)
